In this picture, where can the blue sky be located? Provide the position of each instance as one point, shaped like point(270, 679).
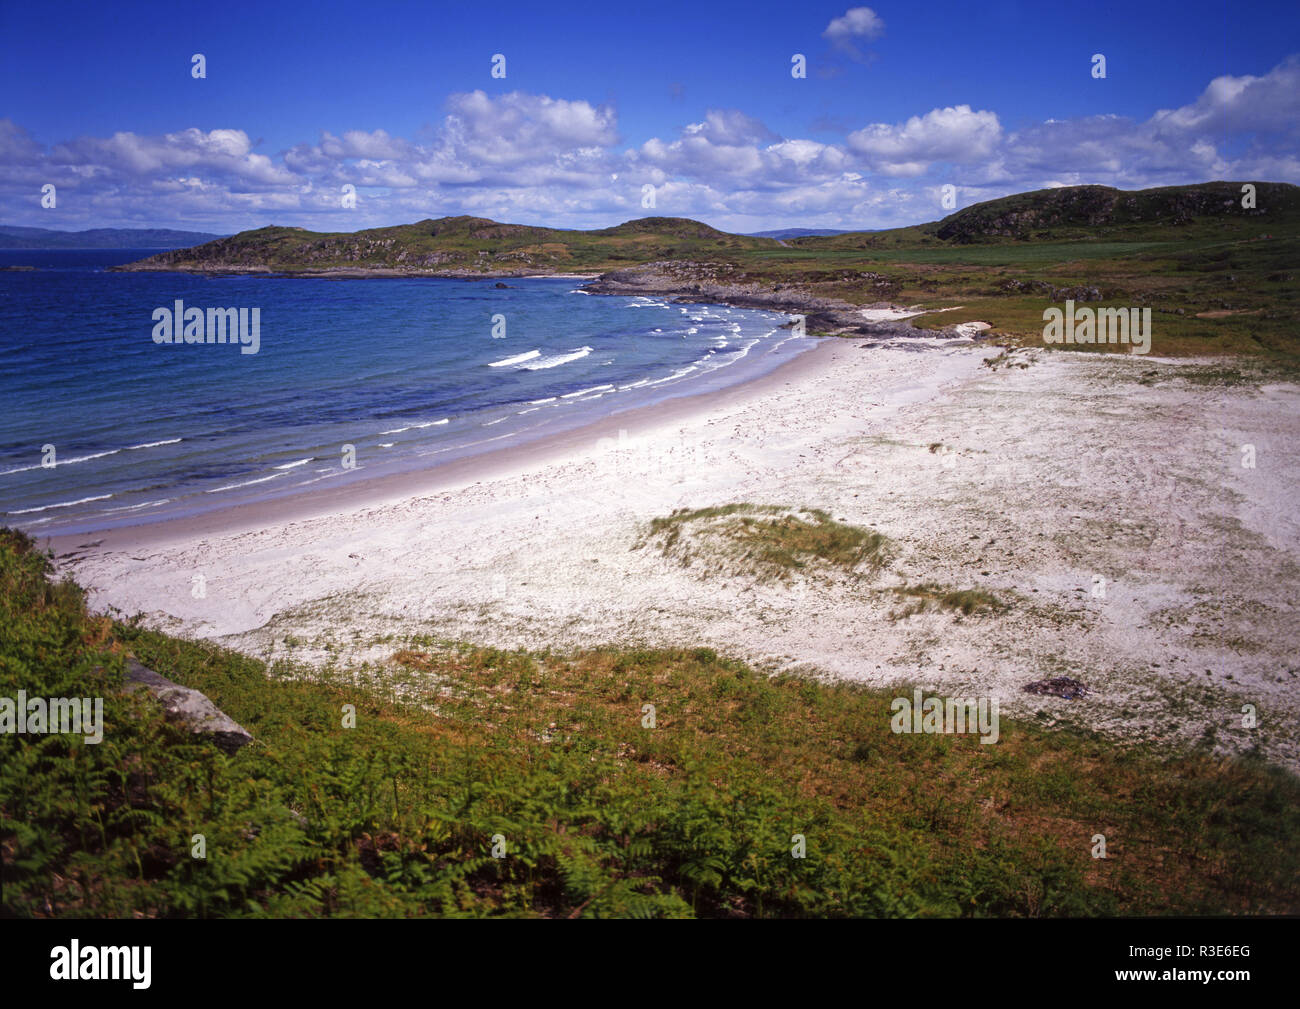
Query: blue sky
point(599, 101)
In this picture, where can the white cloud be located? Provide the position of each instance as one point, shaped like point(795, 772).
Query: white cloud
point(954, 134)
point(1241, 104)
point(516, 126)
point(126, 156)
point(855, 24)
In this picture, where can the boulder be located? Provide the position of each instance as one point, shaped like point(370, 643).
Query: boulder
point(189, 708)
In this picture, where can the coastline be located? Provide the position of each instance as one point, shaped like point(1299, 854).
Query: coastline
point(512, 460)
point(349, 273)
point(823, 316)
point(980, 478)
point(477, 426)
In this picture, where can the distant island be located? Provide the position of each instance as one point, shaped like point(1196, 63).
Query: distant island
point(805, 232)
point(13, 237)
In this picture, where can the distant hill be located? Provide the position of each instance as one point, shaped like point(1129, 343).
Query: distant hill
point(13, 237)
point(1076, 210)
point(457, 246)
point(1091, 213)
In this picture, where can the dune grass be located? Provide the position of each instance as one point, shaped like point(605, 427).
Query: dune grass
point(766, 541)
point(929, 596)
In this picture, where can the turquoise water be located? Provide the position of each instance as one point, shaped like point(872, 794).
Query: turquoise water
point(407, 372)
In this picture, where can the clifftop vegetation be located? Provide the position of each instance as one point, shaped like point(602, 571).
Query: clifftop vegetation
point(458, 749)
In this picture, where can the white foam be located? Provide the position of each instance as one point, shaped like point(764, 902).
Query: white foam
point(94, 455)
point(583, 392)
point(62, 462)
point(60, 504)
point(413, 427)
point(555, 362)
point(246, 483)
point(137, 507)
point(674, 376)
point(155, 444)
point(517, 359)
point(292, 465)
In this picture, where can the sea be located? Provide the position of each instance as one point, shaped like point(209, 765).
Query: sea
point(102, 425)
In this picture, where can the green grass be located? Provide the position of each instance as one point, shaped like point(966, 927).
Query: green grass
point(980, 255)
point(767, 541)
point(965, 601)
point(462, 244)
point(601, 816)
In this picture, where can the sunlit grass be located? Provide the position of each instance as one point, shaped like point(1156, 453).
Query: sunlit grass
point(767, 541)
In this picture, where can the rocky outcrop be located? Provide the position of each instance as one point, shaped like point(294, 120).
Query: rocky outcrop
point(716, 284)
point(1051, 291)
point(189, 708)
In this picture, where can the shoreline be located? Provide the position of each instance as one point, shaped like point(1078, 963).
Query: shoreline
point(457, 473)
point(981, 479)
point(460, 454)
point(823, 316)
point(349, 273)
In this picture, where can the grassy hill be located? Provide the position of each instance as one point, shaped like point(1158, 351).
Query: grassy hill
point(1219, 278)
point(459, 246)
point(1095, 214)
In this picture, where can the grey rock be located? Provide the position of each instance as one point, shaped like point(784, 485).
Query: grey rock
point(691, 282)
point(189, 708)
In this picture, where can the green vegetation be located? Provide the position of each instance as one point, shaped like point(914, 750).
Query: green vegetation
point(600, 815)
point(776, 547)
point(460, 245)
point(965, 601)
point(1219, 278)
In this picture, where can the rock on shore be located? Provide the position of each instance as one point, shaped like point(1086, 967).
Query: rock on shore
point(702, 283)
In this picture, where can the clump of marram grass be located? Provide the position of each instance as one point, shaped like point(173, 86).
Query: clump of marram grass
point(929, 596)
point(766, 541)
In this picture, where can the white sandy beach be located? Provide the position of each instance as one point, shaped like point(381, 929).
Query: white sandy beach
point(1030, 480)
